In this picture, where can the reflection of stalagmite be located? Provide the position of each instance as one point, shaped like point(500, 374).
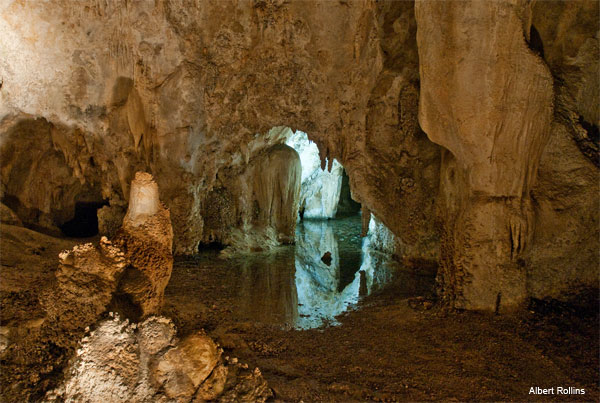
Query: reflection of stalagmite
point(268, 292)
point(146, 238)
point(377, 249)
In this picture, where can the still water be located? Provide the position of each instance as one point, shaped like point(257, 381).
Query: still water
point(293, 286)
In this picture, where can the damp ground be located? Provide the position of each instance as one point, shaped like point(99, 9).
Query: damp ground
point(378, 336)
point(391, 345)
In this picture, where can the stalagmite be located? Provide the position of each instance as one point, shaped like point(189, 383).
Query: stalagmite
point(146, 238)
point(143, 200)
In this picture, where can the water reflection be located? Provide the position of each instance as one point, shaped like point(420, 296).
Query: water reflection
point(294, 285)
point(299, 287)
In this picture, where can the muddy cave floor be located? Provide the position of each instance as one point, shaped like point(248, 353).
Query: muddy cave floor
point(395, 347)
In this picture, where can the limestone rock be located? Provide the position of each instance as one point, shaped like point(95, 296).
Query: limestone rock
point(196, 91)
point(564, 257)
point(7, 216)
point(87, 277)
point(119, 361)
point(191, 91)
point(146, 239)
point(183, 368)
point(256, 208)
point(155, 334)
point(110, 219)
point(214, 385)
point(486, 97)
point(106, 365)
point(320, 189)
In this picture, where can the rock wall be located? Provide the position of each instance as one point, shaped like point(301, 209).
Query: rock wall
point(564, 254)
point(193, 92)
point(487, 97)
point(255, 206)
point(188, 89)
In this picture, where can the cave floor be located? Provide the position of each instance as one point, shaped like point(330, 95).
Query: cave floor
point(396, 346)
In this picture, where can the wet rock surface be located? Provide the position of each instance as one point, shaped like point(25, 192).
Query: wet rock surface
point(387, 350)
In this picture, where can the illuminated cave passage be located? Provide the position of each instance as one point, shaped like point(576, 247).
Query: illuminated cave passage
point(326, 271)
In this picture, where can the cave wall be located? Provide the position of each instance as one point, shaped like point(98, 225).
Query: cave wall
point(185, 89)
point(564, 254)
point(497, 107)
point(321, 188)
point(255, 206)
point(194, 91)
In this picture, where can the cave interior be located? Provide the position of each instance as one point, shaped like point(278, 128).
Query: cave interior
point(288, 200)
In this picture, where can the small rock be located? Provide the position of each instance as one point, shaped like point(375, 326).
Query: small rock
point(326, 258)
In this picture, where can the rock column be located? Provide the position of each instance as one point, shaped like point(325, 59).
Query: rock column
point(486, 97)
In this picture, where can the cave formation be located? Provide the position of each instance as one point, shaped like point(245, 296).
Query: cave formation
point(299, 200)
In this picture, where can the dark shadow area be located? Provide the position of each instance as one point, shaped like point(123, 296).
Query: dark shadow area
point(591, 129)
point(85, 222)
point(535, 41)
point(211, 246)
point(346, 206)
point(125, 307)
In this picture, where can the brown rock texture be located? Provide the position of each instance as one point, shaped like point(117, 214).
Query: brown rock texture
point(87, 277)
point(439, 112)
point(255, 207)
point(7, 216)
point(564, 255)
point(119, 361)
point(187, 90)
point(182, 369)
point(146, 239)
point(487, 98)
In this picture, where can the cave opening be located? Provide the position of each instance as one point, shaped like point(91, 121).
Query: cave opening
point(84, 223)
point(324, 193)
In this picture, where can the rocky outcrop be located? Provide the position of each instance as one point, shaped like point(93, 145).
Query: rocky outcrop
point(487, 98)
point(87, 277)
point(119, 361)
point(255, 207)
